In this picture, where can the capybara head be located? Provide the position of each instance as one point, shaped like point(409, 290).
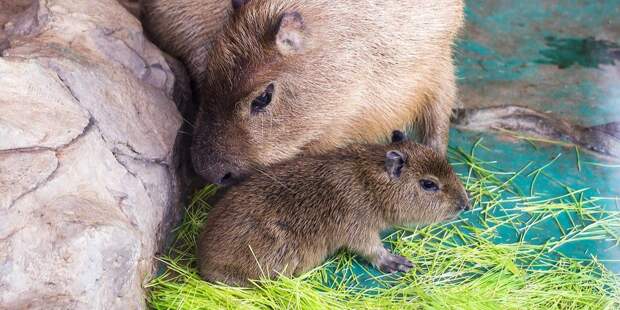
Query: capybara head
point(266, 90)
point(418, 184)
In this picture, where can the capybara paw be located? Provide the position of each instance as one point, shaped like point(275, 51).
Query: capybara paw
point(391, 263)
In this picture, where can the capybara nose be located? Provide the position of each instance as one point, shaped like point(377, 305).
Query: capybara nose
point(216, 172)
point(465, 204)
point(213, 167)
point(219, 175)
point(227, 179)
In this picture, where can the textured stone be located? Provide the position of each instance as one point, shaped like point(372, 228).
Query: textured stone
point(82, 234)
point(88, 180)
point(22, 172)
point(37, 110)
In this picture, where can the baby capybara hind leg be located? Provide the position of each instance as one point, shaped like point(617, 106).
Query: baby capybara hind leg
point(225, 275)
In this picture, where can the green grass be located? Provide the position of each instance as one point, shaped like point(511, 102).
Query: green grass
point(491, 258)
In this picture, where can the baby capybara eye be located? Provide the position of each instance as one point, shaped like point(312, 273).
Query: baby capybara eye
point(429, 186)
point(261, 102)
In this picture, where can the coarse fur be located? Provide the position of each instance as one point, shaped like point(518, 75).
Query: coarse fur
point(343, 72)
point(185, 28)
point(290, 218)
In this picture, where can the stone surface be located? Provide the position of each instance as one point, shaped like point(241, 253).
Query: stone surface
point(23, 172)
point(53, 117)
point(88, 178)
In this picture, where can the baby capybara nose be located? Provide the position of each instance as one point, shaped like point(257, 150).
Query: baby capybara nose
point(465, 204)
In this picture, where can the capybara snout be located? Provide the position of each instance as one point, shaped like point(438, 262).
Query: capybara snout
point(216, 160)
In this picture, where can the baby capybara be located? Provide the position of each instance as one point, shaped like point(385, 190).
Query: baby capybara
point(292, 216)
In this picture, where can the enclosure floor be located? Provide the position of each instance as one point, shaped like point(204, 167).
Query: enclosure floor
point(561, 57)
point(558, 56)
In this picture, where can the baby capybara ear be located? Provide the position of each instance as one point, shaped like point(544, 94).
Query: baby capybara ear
point(237, 4)
point(290, 36)
point(398, 136)
point(394, 162)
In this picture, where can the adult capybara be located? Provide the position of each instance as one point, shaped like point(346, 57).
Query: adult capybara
point(278, 77)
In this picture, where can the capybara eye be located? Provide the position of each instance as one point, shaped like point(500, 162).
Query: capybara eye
point(429, 185)
point(261, 102)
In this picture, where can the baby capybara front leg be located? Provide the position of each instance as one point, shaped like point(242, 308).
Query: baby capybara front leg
point(373, 250)
point(390, 263)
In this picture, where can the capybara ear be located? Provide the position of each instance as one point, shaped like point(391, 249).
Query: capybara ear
point(237, 4)
point(394, 162)
point(398, 136)
point(290, 37)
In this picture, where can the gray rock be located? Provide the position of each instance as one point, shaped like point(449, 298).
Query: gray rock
point(22, 172)
point(88, 184)
point(37, 110)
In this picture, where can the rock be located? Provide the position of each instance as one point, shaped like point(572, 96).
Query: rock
point(88, 169)
point(54, 118)
point(22, 172)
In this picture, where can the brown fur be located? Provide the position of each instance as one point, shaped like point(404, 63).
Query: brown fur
point(288, 219)
point(133, 6)
point(362, 68)
point(185, 28)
